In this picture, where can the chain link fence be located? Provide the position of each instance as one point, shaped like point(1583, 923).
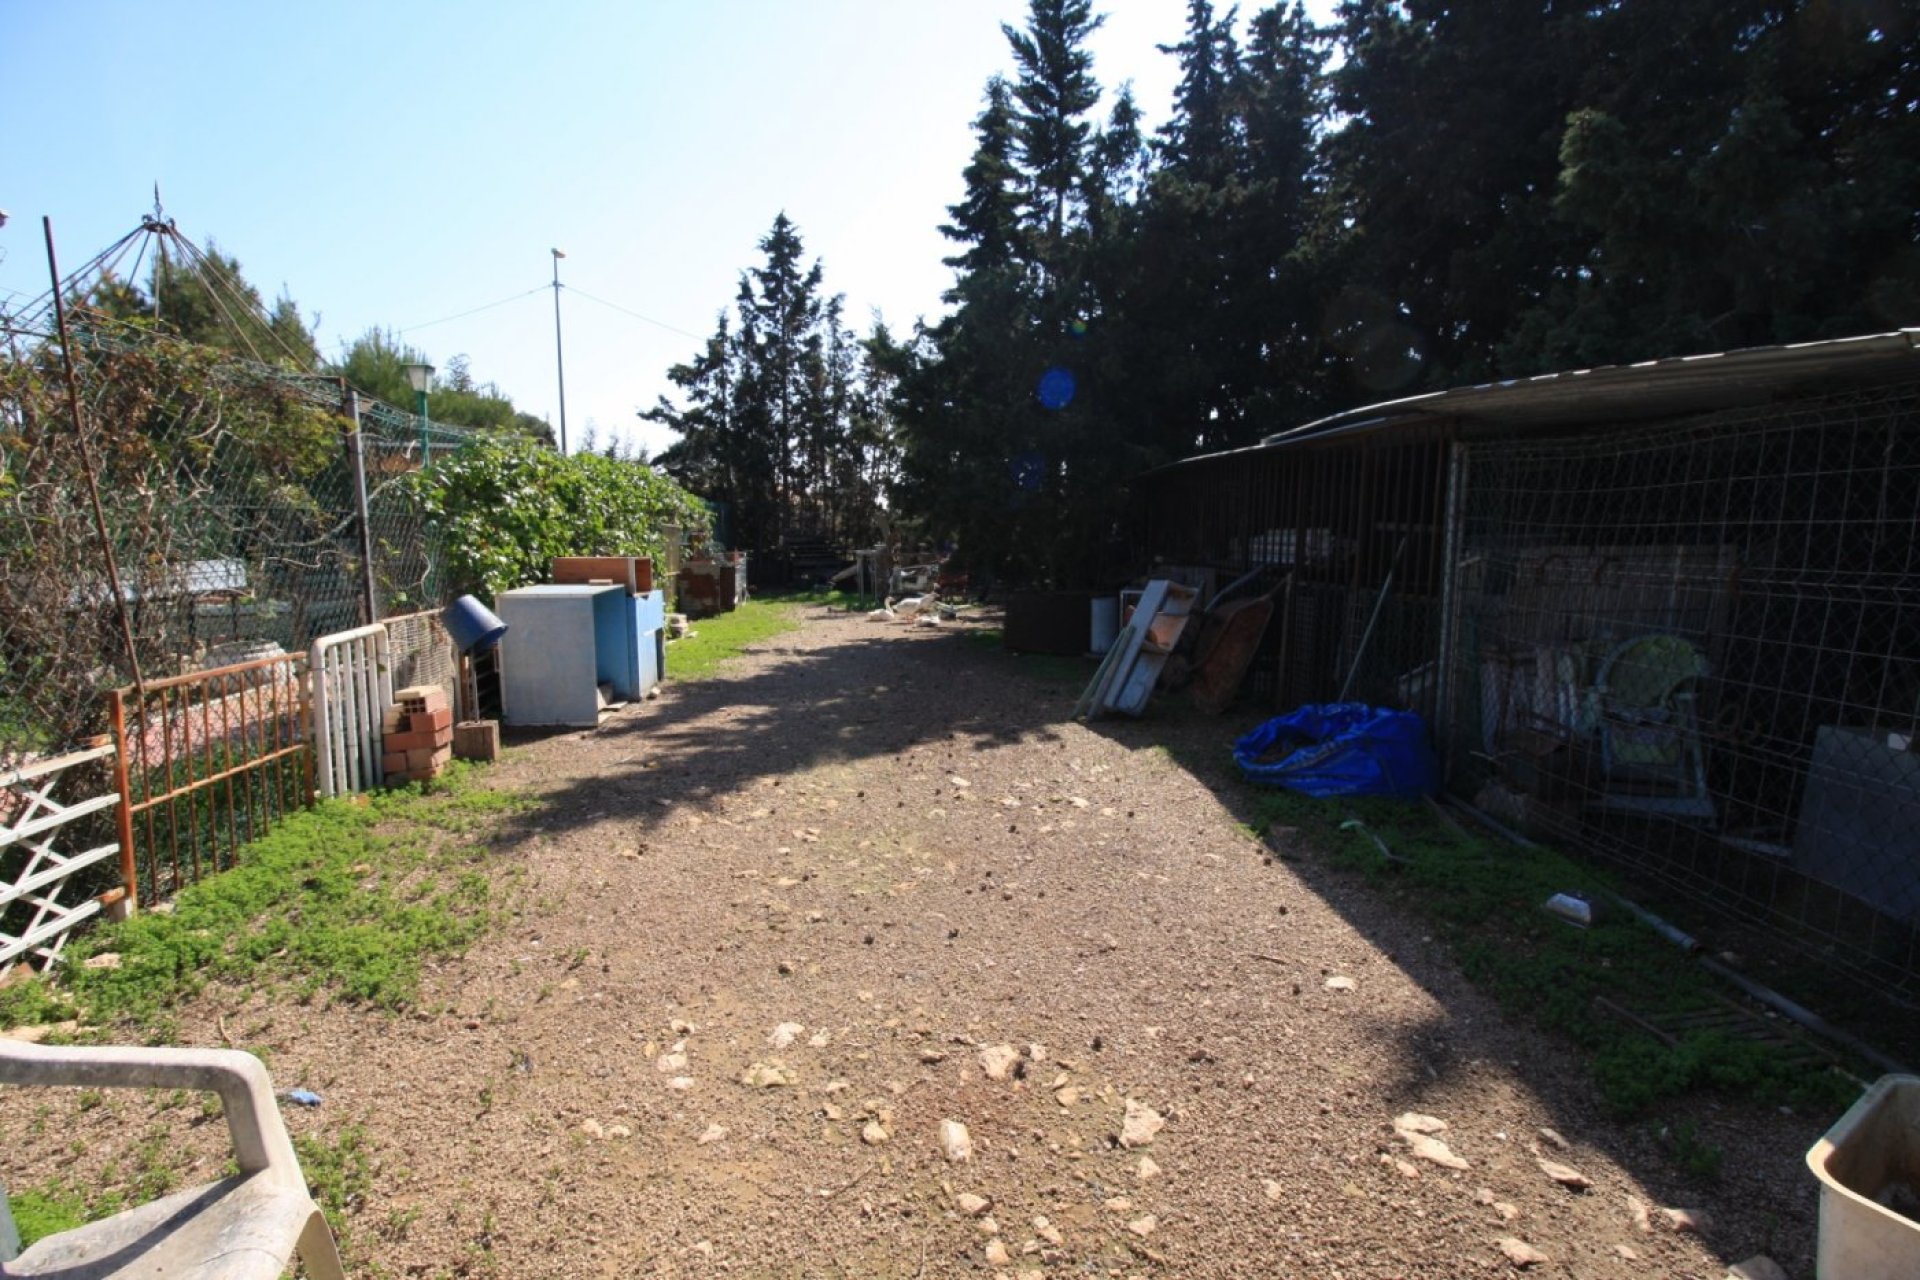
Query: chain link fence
point(231, 499)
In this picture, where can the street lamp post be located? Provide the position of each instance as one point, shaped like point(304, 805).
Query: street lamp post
point(420, 377)
point(559, 358)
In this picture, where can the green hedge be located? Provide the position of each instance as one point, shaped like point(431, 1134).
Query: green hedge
point(504, 508)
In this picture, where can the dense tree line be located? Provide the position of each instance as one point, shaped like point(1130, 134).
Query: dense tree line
point(1416, 196)
point(783, 412)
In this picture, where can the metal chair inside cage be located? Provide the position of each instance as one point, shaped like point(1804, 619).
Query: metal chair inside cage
point(1650, 747)
point(237, 1228)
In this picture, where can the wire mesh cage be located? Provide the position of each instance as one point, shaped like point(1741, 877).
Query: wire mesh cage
point(1696, 649)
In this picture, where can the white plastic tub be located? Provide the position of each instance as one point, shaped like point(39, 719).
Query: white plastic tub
point(1868, 1162)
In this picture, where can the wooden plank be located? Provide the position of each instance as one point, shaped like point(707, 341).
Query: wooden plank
point(60, 871)
point(62, 923)
point(12, 835)
point(41, 768)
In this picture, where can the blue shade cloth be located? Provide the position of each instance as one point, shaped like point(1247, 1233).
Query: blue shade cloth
point(1342, 749)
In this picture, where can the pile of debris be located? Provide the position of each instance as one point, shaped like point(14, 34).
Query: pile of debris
point(418, 742)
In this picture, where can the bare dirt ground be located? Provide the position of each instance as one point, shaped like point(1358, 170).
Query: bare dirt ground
point(774, 928)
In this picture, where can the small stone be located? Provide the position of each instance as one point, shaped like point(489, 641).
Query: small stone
point(1565, 1175)
point(1273, 1189)
point(785, 968)
point(874, 1133)
point(761, 1075)
point(832, 1112)
point(835, 1086)
point(712, 1134)
point(987, 1227)
point(1141, 1124)
point(1068, 1096)
point(998, 1060)
point(1482, 1195)
point(785, 1034)
point(955, 1141)
point(1688, 1221)
point(1401, 1167)
point(1433, 1151)
point(680, 1084)
point(1414, 1122)
point(670, 1063)
point(681, 1027)
point(932, 1056)
point(1507, 1210)
point(1148, 1170)
point(1037, 1052)
point(997, 1255)
point(1626, 1253)
point(1031, 1273)
point(1758, 1267)
point(105, 960)
point(704, 1248)
point(1520, 1253)
point(592, 1129)
point(1640, 1212)
point(1143, 1225)
point(1340, 983)
point(1117, 1204)
point(971, 1204)
point(619, 1131)
point(818, 1040)
point(1553, 1139)
point(1045, 1229)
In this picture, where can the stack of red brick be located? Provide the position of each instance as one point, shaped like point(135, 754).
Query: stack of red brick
point(418, 735)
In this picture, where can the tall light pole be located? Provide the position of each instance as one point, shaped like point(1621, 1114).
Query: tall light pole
point(420, 377)
point(559, 356)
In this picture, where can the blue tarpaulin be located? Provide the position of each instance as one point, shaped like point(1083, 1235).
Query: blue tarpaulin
point(1342, 749)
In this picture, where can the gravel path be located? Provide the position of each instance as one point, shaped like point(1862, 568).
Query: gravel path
point(779, 928)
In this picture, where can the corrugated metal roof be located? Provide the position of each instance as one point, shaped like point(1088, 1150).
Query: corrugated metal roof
point(1649, 390)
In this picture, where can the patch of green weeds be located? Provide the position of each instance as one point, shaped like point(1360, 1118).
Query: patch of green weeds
point(30, 1003)
point(1483, 896)
point(339, 1171)
point(716, 639)
point(349, 898)
point(39, 1212)
point(1068, 673)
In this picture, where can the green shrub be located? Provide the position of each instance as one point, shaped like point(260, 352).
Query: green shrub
point(504, 508)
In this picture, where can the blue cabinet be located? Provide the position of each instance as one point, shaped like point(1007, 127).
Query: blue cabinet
point(564, 641)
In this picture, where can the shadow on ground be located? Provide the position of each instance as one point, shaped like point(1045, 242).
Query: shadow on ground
point(888, 692)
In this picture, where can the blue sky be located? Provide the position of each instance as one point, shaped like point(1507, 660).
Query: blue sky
point(393, 164)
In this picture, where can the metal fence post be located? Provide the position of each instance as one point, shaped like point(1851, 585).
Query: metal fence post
point(357, 463)
point(1454, 517)
point(123, 817)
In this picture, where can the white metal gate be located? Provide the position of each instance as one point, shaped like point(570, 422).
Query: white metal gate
point(352, 675)
point(34, 870)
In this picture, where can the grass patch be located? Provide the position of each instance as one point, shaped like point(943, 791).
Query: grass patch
point(39, 1212)
point(349, 898)
point(1483, 897)
point(1065, 671)
point(716, 639)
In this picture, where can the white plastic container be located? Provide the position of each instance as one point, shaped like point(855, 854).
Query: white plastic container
point(1869, 1160)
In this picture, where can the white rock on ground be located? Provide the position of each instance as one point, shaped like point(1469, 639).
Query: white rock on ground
point(998, 1060)
point(955, 1141)
point(713, 1133)
point(1520, 1253)
point(971, 1204)
point(1566, 1175)
point(1140, 1124)
point(785, 1034)
point(1433, 1151)
point(1758, 1267)
point(1415, 1122)
point(997, 1255)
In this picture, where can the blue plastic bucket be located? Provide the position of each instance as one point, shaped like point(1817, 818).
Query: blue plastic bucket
point(473, 626)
